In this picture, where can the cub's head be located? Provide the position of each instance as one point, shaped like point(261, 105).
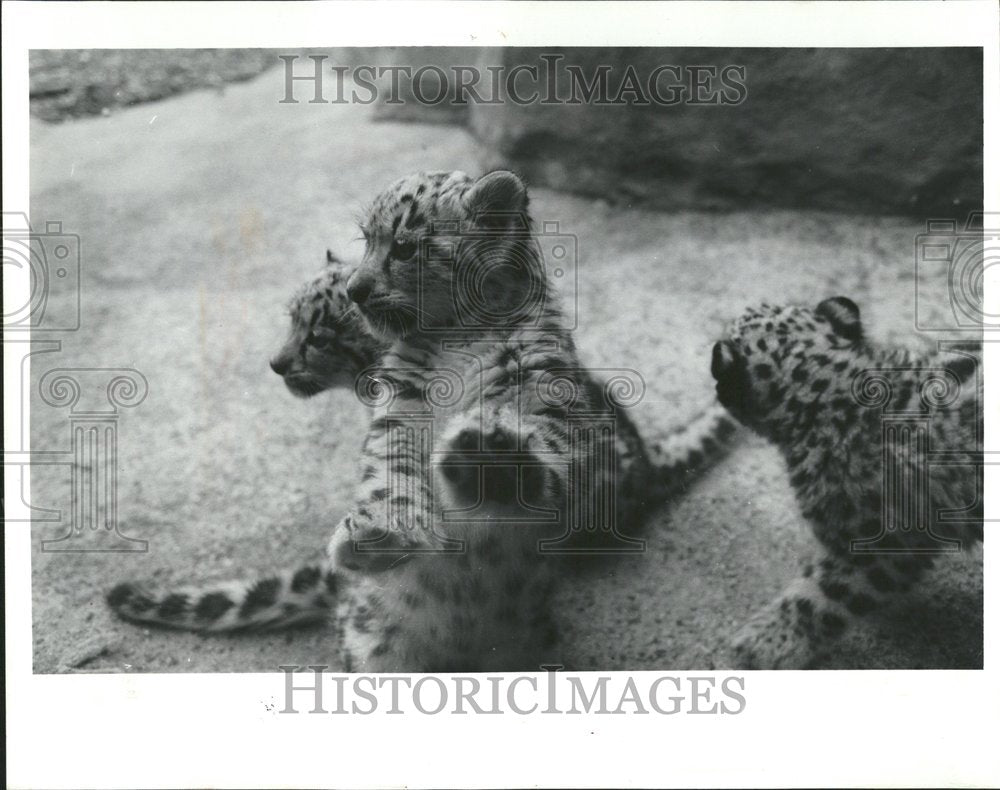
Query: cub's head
point(328, 344)
point(442, 246)
point(780, 360)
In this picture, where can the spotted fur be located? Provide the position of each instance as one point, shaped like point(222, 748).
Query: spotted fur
point(809, 381)
point(470, 465)
point(300, 596)
point(327, 345)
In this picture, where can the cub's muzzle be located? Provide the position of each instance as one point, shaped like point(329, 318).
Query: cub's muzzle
point(723, 359)
point(729, 371)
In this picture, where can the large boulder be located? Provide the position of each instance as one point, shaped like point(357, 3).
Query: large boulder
point(889, 131)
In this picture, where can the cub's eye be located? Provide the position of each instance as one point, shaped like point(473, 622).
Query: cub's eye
point(321, 338)
point(403, 250)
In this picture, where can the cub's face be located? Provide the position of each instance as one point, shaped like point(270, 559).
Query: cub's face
point(780, 359)
point(418, 251)
point(328, 345)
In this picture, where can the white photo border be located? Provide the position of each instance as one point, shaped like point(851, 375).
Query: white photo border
point(831, 728)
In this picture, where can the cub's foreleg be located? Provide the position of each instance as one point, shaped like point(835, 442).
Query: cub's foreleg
point(797, 628)
point(392, 519)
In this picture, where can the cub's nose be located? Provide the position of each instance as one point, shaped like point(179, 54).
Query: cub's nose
point(723, 357)
point(281, 364)
point(359, 289)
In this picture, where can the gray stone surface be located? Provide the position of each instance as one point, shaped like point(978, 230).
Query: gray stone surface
point(855, 130)
point(198, 216)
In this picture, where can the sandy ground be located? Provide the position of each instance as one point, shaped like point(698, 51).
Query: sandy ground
point(198, 215)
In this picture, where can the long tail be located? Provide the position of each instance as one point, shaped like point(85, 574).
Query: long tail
point(295, 597)
point(682, 457)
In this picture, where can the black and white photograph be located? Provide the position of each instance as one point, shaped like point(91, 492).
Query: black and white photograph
point(587, 378)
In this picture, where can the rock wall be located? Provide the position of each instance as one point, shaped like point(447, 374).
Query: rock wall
point(884, 131)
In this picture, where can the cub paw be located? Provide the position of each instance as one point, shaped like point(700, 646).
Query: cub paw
point(748, 651)
point(488, 467)
point(764, 646)
point(365, 548)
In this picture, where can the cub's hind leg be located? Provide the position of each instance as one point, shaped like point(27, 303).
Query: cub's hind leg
point(796, 629)
point(448, 613)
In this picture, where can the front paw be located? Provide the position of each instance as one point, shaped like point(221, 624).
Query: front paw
point(488, 467)
point(367, 549)
point(767, 645)
point(748, 650)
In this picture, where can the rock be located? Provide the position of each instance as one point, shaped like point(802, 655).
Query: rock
point(872, 130)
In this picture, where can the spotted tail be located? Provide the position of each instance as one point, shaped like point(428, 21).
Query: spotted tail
point(683, 456)
point(303, 595)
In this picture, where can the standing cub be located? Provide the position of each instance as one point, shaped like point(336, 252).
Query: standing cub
point(488, 450)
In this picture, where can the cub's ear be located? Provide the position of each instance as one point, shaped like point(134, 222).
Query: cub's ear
point(337, 265)
point(843, 315)
point(499, 192)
